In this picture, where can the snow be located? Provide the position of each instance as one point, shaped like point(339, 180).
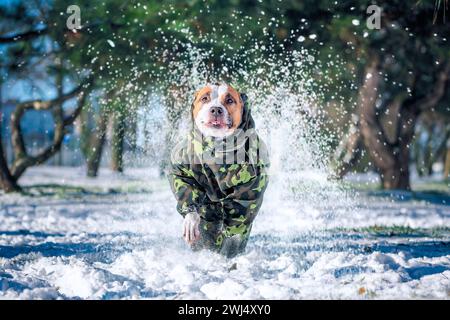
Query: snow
point(119, 237)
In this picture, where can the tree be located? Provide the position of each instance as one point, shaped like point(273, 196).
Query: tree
point(24, 52)
point(7, 181)
point(22, 159)
point(392, 157)
point(118, 139)
point(430, 145)
point(405, 74)
point(447, 162)
point(96, 140)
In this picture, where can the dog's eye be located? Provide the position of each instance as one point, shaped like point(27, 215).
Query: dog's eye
point(229, 101)
point(204, 99)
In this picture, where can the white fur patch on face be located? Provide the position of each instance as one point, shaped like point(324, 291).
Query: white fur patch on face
point(204, 117)
point(222, 89)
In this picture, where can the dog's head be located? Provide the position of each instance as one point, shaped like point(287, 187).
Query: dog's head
point(217, 110)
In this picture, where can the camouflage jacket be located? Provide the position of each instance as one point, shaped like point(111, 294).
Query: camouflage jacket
point(221, 179)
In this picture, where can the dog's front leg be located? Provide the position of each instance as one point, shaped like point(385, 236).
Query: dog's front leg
point(191, 232)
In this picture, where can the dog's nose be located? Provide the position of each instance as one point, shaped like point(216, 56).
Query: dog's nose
point(216, 111)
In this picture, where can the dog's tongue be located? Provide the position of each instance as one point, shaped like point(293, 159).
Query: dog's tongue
point(216, 123)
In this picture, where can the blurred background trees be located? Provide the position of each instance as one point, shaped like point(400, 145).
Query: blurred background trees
point(389, 106)
point(405, 70)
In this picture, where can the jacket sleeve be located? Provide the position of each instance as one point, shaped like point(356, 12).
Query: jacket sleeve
point(188, 192)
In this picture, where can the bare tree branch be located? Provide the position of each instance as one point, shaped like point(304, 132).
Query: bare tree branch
point(23, 36)
point(431, 99)
point(47, 104)
point(7, 181)
point(349, 150)
point(75, 113)
point(22, 159)
point(435, 96)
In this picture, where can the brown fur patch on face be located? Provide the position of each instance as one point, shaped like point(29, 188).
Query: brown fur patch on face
point(198, 103)
point(234, 109)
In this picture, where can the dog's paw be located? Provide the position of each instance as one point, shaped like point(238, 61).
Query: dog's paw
point(191, 232)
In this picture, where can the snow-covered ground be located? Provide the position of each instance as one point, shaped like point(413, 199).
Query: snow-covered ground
point(119, 237)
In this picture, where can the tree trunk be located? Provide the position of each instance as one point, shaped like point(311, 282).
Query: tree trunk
point(397, 175)
point(447, 165)
point(97, 143)
point(85, 130)
point(131, 129)
point(442, 148)
point(118, 139)
point(391, 159)
point(349, 151)
point(418, 157)
point(7, 182)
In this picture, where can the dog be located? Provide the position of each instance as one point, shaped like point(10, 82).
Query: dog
point(219, 172)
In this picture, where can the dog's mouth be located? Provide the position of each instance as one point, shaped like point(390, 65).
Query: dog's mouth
point(219, 123)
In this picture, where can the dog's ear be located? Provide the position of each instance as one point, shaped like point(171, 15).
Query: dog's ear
point(244, 98)
point(195, 95)
point(193, 100)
